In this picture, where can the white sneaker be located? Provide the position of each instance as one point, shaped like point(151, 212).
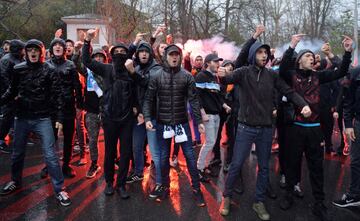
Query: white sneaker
point(63, 198)
point(282, 181)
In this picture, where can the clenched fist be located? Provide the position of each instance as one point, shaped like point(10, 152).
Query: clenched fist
point(347, 43)
point(259, 30)
point(129, 64)
point(306, 111)
point(91, 34)
point(222, 72)
point(295, 39)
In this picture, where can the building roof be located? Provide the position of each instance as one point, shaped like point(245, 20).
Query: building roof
point(85, 18)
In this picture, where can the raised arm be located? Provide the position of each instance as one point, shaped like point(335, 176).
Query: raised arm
point(286, 62)
point(187, 62)
point(96, 67)
point(76, 58)
point(241, 59)
point(331, 75)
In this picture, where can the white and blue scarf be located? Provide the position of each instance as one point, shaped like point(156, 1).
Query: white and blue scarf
point(178, 131)
point(91, 84)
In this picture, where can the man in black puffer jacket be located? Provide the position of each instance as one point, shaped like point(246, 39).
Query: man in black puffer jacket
point(172, 87)
point(117, 111)
point(34, 87)
point(7, 64)
point(72, 95)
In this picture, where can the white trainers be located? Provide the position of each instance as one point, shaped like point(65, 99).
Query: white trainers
point(63, 198)
point(282, 181)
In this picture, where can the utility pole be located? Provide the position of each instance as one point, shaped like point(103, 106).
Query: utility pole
point(356, 33)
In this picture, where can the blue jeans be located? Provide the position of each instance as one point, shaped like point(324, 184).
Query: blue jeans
point(42, 127)
point(155, 152)
point(355, 162)
point(139, 133)
point(187, 150)
point(246, 135)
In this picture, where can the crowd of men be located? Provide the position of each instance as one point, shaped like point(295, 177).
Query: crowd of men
point(152, 94)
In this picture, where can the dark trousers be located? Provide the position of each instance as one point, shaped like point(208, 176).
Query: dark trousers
point(306, 140)
point(93, 124)
point(341, 128)
point(231, 128)
point(114, 131)
point(327, 125)
point(68, 131)
point(43, 128)
point(176, 149)
point(187, 150)
point(55, 130)
point(245, 137)
point(6, 121)
point(355, 163)
point(281, 129)
point(80, 130)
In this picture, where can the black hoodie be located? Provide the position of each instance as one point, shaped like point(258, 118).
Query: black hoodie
point(119, 89)
point(143, 74)
point(256, 88)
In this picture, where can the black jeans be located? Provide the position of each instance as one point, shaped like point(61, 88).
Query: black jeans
point(113, 131)
point(306, 140)
point(355, 163)
point(341, 128)
point(231, 128)
point(6, 122)
point(327, 124)
point(68, 131)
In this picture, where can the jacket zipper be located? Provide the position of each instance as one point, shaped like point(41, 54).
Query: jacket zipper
point(171, 96)
point(258, 77)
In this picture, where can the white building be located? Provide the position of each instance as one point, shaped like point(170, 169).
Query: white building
point(75, 24)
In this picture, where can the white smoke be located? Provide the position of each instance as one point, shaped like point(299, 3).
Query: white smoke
point(224, 49)
point(313, 44)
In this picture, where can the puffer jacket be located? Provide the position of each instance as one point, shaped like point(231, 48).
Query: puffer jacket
point(35, 87)
point(172, 88)
point(7, 64)
point(70, 85)
point(119, 90)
